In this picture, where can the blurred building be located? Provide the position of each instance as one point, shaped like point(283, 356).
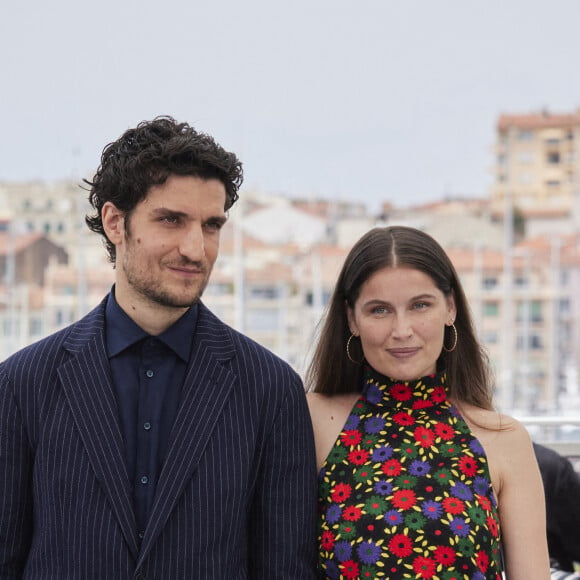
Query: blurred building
point(279, 260)
point(537, 164)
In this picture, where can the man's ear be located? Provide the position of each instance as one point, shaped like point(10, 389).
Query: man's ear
point(113, 222)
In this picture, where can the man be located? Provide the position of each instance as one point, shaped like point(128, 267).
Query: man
point(149, 440)
point(562, 492)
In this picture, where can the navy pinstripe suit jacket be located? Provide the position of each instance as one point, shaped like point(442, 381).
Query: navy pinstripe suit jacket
point(235, 497)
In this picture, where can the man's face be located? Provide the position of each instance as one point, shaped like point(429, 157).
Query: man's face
point(170, 243)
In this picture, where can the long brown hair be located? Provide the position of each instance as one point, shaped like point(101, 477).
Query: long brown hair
point(467, 366)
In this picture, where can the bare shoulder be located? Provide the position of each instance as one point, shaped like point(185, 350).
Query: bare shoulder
point(329, 414)
point(322, 406)
point(490, 424)
point(506, 442)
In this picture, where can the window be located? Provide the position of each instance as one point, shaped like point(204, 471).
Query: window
point(264, 292)
point(564, 306)
point(490, 338)
point(536, 311)
point(490, 309)
point(489, 282)
point(553, 158)
point(525, 157)
point(525, 135)
point(533, 311)
point(534, 342)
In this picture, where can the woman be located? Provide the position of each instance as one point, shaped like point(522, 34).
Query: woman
point(419, 476)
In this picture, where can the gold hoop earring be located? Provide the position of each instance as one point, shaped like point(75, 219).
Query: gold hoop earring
point(452, 325)
point(356, 362)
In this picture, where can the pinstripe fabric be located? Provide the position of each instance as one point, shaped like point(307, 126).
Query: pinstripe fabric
point(235, 497)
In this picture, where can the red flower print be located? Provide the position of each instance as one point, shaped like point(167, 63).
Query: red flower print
point(351, 437)
point(401, 392)
point(422, 404)
point(349, 569)
point(403, 418)
point(341, 492)
point(358, 457)
point(482, 561)
point(327, 540)
point(492, 526)
point(392, 467)
point(444, 431)
point(453, 505)
point(445, 555)
point(424, 436)
point(401, 545)
point(484, 502)
point(438, 395)
point(468, 466)
point(424, 567)
point(404, 499)
point(352, 513)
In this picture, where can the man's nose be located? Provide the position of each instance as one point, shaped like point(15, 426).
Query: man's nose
point(192, 244)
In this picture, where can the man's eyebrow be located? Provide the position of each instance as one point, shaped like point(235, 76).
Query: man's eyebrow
point(219, 219)
point(167, 211)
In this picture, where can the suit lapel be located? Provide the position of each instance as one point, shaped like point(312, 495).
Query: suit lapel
point(206, 388)
point(87, 383)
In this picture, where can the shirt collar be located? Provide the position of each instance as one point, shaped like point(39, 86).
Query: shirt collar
point(122, 332)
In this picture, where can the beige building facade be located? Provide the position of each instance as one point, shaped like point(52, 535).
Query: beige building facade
point(537, 161)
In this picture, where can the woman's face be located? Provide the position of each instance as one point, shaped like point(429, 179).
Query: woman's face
point(400, 316)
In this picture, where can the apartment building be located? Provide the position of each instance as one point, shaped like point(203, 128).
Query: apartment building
point(537, 162)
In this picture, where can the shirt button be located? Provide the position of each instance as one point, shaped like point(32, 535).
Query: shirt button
point(144, 479)
point(147, 426)
point(149, 373)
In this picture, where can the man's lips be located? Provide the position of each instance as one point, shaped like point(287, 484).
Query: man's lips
point(188, 269)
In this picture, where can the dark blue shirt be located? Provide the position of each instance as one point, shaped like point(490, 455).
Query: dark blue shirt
point(148, 373)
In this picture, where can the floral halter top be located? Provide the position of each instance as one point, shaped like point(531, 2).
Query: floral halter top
point(405, 492)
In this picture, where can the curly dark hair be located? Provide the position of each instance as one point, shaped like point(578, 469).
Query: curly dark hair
point(146, 156)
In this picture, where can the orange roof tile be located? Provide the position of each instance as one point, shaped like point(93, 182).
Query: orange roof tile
point(542, 120)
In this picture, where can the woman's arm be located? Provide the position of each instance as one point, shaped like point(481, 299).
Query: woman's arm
point(521, 503)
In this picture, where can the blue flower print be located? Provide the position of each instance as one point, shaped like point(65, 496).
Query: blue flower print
point(352, 422)
point(333, 513)
point(461, 490)
point(419, 467)
point(369, 552)
point(374, 425)
point(459, 527)
point(343, 551)
point(383, 487)
point(382, 453)
point(432, 509)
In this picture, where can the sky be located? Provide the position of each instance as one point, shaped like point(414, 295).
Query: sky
point(373, 100)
